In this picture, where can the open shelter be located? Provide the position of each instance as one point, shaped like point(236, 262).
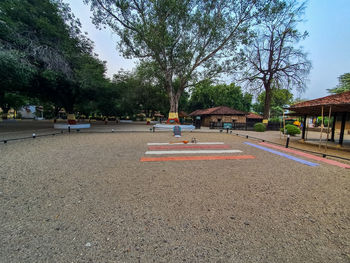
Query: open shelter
point(336, 106)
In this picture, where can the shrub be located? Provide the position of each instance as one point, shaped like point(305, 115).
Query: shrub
point(292, 129)
point(259, 127)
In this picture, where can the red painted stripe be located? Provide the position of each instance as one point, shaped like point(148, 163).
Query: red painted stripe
point(307, 155)
point(172, 147)
point(195, 158)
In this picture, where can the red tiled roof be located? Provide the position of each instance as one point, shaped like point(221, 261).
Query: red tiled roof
point(337, 99)
point(333, 103)
point(252, 115)
point(221, 110)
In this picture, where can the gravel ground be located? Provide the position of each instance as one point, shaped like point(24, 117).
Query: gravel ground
point(87, 198)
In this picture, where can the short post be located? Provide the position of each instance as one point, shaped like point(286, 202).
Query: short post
point(246, 136)
point(153, 129)
point(34, 135)
point(69, 128)
point(5, 141)
point(287, 142)
point(226, 130)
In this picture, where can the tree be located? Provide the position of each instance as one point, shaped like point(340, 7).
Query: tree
point(44, 55)
point(207, 95)
point(186, 40)
point(280, 98)
point(344, 84)
point(273, 58)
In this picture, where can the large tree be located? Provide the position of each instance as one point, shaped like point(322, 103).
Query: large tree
point(344, 84)
point(188, 40)
point(43, 54)
point(273, 58)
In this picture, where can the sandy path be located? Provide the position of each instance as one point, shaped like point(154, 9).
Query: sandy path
point(88, 198)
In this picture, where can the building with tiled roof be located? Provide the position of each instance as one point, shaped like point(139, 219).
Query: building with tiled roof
point(219, 115)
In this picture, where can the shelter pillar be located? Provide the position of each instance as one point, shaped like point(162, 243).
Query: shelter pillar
point(342, 128)
point(304, 128)
point(333, 126)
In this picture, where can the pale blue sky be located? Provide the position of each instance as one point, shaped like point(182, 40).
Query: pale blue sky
point(328, 44)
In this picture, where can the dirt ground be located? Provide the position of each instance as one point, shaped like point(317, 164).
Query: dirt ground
point(86, 197)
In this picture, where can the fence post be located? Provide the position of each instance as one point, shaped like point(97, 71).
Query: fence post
point(287, 142)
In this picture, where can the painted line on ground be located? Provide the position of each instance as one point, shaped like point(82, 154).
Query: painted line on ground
point(193, 146)
point(169, 143)
point(195, 151)
point(196, 158)
point(283, 154)
point(307, 155)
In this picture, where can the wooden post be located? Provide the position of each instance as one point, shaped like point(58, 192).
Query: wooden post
point(333, 126)
point(319, 145)
point(284, 125)
point(280, 128)
point(342, 128)
point(304, 128)
point(329, 120)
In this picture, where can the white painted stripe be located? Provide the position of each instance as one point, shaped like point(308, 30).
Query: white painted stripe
point(167, 143)
point(189, 151)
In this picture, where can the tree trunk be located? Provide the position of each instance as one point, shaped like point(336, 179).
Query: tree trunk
point(174, 108)
point(266, 114)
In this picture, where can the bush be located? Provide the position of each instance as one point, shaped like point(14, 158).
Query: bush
point(292, 129)
point(259, 127)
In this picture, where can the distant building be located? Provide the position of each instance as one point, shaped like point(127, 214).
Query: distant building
point(253, 117)
point(217, 116)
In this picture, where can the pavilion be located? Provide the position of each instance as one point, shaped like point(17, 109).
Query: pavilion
point(336, 106)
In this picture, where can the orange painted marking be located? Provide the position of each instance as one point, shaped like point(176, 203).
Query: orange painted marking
point(171, 147)
point(307, 155)
point(196, 158)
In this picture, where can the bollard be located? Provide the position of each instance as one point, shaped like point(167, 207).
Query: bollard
point(246, 136)
point(287, 142)
point(69, 128)
point(154, 129)
point(61, 131)
point(230, 132)
point(5, 141)
point(112, 130)
point(324, 155)
point(220, 130)
point(226, 130)
point(34, 135)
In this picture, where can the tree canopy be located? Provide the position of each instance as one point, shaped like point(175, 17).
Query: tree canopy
point(344, 84)
point(43, 54)
point(186, 40)
point(273, 59)
point(208, 95)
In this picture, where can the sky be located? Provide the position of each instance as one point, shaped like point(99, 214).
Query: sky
point(328, 44)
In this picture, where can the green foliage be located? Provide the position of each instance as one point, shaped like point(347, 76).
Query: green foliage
point(344, 84)
point(186, 41)
point(259, 127)
point(207, 95)
point(43, 54)
point(280, 98)
point(325, 121)
point(291, 129)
